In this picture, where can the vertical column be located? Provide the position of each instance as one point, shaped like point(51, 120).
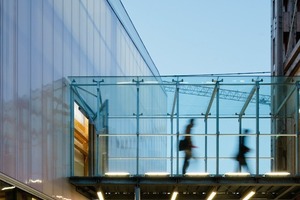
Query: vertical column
point(277, 44)
point(98, 127)
point(177, 120)
point(205, 140)
point(177, 124)
point(217, 126)
point(137, 191)
point(240, 132)
point(297, 130)
point(257, 125)
point(137, 122)
point(172, 157)
point(71, 130)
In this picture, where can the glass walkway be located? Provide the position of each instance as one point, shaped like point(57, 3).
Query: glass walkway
point(126, 132)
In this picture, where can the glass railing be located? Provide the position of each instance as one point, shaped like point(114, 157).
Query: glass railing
point(139, 122)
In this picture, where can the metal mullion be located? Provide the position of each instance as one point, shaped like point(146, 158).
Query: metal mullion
point(72, 131)
point(297, 130)
point(217, 126)
point(177, 122)
point(137, 121)
point(172, 140)
point(205, 141)
point(257, 125)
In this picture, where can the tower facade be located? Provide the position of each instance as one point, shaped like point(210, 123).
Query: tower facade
point(285, 67)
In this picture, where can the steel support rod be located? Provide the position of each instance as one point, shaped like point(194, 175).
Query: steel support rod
point(240, 132)
point(205, 150)
point(218, 125)
point(177, 121)
point(72, 130)
point(172, 145)
point(137, 123)
point(137, 191)
point(297, 129)
point(99, 104)
point(257, 125)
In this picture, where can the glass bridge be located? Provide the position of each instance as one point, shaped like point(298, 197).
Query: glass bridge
point(125, 133)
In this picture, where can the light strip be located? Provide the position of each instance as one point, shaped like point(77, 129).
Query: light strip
point(174, 195)
point(249, 195)
point(196, 174)
point(124, 82)
point(35, 181)
point(238, 174)
point(157, 174)
point(8, 188)
point(117, 174)
point(277, 174)
point(212, 195)
point(100, 195)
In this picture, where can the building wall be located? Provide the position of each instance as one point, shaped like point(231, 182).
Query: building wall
point(43, 42)
point(285, 36)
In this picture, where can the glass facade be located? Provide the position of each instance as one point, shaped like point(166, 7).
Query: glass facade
point(42, 43)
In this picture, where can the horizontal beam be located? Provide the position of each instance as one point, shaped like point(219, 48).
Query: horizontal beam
point(257, 180)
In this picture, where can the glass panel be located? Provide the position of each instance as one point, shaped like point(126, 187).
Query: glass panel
point(146, 119)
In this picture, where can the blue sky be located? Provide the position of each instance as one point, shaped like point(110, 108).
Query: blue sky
point(204, 37)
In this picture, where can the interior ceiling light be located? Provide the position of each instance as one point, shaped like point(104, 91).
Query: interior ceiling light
point(174, 195)
point(100, 195)
point(249, 195)
point(277, 174)
point(211, 195)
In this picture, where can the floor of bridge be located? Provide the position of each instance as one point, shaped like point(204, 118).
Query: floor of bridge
point(161, 188)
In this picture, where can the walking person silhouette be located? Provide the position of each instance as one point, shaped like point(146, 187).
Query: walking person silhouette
point(241, 155)
point(189, 146)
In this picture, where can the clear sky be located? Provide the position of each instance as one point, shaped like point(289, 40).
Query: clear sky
point(204, 36)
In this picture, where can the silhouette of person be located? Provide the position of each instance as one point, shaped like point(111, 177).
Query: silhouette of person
point(189, 146)
point(243, 149)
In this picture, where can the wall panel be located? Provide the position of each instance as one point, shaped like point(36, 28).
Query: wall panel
point(42, 43)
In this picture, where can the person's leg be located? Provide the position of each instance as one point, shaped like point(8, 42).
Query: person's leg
point(186, 163)
point(246, 167)
point(239, 167)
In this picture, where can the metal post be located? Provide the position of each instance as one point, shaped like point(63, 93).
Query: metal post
point(257, 125)
point(297, 130)
point(99, 104)
point(137, 191)
point(177, 126)
point(240, 132)
point(177, 121)
point(137, 122)
point(205, 150)
point(72, 129)
point(217, 126)
point(172, 142)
